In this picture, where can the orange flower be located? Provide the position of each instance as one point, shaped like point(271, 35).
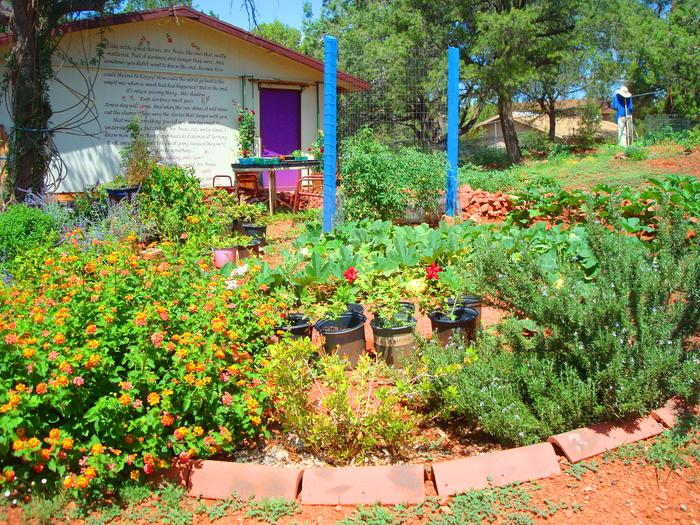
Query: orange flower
point(54, 434)
point(180, 433)
point(45, 453)
point(28, 353)
point(41, 388)
point(93, 343)
point(90, 473)
point(153, 398)
point(69, 482)
point(9, 475)
point(97, 449)
point(67, 444)
point(59, 339)
point(33, 443)
point(91, 329)
point(167, 419)
point(134, 475)
point(92, 361)
point(125, 399)
point(82, 482)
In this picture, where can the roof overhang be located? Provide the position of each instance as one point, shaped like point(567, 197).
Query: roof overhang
point(346, 82)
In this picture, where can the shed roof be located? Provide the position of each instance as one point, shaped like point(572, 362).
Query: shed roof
point(349, 82)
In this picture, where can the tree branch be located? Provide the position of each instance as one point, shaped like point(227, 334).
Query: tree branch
point(62, 8)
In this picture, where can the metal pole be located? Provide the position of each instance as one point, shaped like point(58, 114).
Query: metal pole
point(452, 125)
point(330, 67)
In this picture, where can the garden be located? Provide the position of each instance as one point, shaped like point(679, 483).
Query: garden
point(148, 332)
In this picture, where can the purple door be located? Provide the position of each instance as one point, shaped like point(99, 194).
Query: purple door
point(280, 129)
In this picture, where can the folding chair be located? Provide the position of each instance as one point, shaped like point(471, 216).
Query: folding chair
point(307, 186)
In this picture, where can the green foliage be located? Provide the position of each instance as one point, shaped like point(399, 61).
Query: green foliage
point(128, 368)
point(604, 333)
point(22, 228)
point(271, 510)
point(381, 184)
point(587, 132)
point(577, 470)
point(487, 157)
point(689, 139)
point(168, 197)
point(246, 132)
point(279, 33)
point(340, 415)
point(636, 152)
point(138, 158)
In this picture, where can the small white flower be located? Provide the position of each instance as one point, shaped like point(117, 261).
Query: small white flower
point(14, 502)
point(305, 252)
point(231, 284)
point(43, 481)
point(241, 270)
point(521, 434)
point(7, 493)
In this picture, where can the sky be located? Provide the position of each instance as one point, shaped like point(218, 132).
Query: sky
point(286, 11)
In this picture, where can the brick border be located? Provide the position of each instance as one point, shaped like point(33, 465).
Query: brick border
point(380, 484)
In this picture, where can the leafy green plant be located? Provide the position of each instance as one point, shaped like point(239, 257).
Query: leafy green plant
point(271, 510)
point(378, 183)
point(138, 157)
point(246, 132)
point(636, 152)
point(353, 414)
point(22, 227)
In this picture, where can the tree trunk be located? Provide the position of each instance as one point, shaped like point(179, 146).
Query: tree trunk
point(510, 137)
point(551, 113)
point(31, 110)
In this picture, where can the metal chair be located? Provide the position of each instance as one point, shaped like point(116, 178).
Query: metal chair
point(247, 183)
point(307, 186)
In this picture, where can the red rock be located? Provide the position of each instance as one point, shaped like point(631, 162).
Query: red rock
point(669, 414)
point(220, 479)
point(497, 205)
point(485, 208)
point(496, 468)
point(390, 485)
point(587, 442)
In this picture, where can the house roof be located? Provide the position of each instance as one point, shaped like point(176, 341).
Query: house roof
point(564, 105)
point(350, 82)
point(567, 126)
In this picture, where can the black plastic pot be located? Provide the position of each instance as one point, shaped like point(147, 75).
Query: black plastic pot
point(356, 307)
point(119, 194)
point(467, 301)
point(395, 344)
point(250, 249)
point(254, 231)
point(344, 335)
point(298, 326)
point(463, 319)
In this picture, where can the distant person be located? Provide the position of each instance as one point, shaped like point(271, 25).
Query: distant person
point(622, 103)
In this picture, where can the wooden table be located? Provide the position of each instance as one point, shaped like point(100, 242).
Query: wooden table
point(272, 168)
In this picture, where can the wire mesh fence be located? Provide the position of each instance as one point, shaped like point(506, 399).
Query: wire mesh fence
point(405, 105)
point(658, 123)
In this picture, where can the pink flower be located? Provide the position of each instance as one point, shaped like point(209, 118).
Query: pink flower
point(78, 381)
point(157, 339)
point(226, 399)
point(350, 275)
point(224, 377)
point(53, 355)
point(137, 403)
point(432, 272)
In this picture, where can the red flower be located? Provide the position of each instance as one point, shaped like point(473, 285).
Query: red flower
point(350, 274)
point(433, 271)
point(240, 118)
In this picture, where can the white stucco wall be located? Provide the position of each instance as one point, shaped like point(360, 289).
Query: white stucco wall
point(183, 78)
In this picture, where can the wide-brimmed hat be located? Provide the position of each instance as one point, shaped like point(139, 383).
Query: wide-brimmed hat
point(624, 92)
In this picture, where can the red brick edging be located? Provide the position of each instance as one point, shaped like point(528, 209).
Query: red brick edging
point(396, 484)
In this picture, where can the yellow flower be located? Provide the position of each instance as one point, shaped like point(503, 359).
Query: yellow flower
point(33, 443)
point(97, 449)
point(198, 431)
point(93, 343)
point(153, 398)
point(54, 434)
point(67, 444)
point(134, 475)
point(125, 399)
point(559, 284)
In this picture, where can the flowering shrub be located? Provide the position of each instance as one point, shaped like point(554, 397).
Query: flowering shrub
point(113, 362)
point(246, 132)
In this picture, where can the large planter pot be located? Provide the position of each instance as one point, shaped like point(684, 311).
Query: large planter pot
point(396, 345)
point(254, 231)
point(297, 325)
point(344, 335)
point(224, 255)
point(467, 301)
point(463, 319)
point(119, 194)
point(250, 249)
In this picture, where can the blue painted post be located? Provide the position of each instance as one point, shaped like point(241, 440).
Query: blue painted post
point(452, 131)
point(330, 67)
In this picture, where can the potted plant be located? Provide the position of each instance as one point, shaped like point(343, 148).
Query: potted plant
point(251, 220)
point(296, 324)
point(316, 150)
point(394, 327)
point(138, 160)
point(232, 248)
point(343, 330)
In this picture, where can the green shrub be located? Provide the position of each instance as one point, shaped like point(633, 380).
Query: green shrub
point(605, 319)
point(636, 152)
point(488, 157)
point(489, 180)
point(535, 143)
point(378, 183)
point(22, 227)
point(341, 416)
point(169, 196)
